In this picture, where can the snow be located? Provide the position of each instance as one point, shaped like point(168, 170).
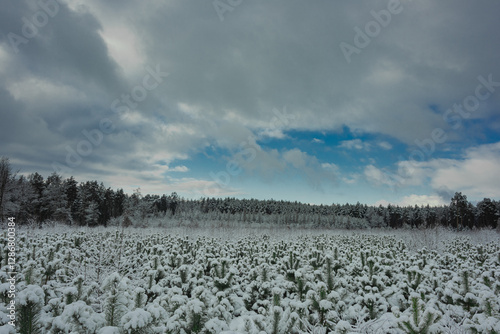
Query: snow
point(136, 320)
point(32, 294)
point(7, 329)
point(183, 287)
point(109, 330)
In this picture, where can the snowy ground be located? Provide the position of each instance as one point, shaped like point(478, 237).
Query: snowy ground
point(227, 280)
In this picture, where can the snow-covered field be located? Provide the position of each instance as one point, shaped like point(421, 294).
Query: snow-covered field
point(252, 281)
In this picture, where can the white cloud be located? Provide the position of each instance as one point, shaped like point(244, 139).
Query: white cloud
point(37, 91)
point(351, 179)
point(318, 141)
point(383, 202)
point(476, 175)
point(377, 176)
point(385, 73)
point(413, 199)
point(296, 158)
point(123, 46)
point(181, 169)
point(330, 167)
point(385, 145)
point(432, 200)
point(316, 173)
point(203, 188)
point(272, 133)
point(357, 144)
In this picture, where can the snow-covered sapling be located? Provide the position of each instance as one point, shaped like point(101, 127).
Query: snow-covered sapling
point(29, 308)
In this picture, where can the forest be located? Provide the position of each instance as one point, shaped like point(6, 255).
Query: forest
point(36, 200)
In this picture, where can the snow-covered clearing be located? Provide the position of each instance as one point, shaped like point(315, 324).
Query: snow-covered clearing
point(227, 280)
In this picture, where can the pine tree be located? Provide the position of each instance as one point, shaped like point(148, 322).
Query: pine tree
point(30, 305)
point(459, 207)
point(7, 179)
point(54, 204)
point(115, 302)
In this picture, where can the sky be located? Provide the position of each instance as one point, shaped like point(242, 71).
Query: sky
point(313, 101)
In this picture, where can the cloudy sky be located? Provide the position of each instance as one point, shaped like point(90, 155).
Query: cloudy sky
point(315, 101)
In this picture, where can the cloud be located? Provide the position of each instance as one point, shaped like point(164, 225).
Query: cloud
point(385, 145)
point(351, 179)
point(227, 79)
point(431, 200)
point(475, 175)
point(413, 199)
point(297, 158)
point(316, 173)
point(357, 144)
point(331, 167)
point(377, 176)
point(182, 169)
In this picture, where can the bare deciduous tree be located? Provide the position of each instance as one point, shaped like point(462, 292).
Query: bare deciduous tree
point(5, 176)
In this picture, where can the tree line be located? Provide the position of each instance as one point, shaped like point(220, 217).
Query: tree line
point(38, 199)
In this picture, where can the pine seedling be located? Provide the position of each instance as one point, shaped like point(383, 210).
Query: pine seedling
point(115, 303)
point(78, 282)
point(317, 261)
point(264, 273)
point(33, 253)
point(465, 282)
point(50, 271)
point(30, 272)
point(291, 266)
point(77, 242)
point(349, 255)
point(329, 274)
point(469, 301)
point(69, 295)
point(183, 274)
point(370, 303)
point(487, 281)
point(414, 278)
point(421, 320)
point(150, 280)
point(30, 306)
point(156, 262)
point(194, 316)
point(222, 280)
point(6, 253)
point(371, 266)
point(301, 285)
point(320, 303)
point(277, 311)
point(139, 298)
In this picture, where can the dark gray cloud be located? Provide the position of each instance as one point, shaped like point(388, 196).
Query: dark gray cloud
point(268, 54)
point(66, 48)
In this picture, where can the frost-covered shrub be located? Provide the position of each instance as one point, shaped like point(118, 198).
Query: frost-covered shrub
point(251, 324)
point(116, 302)
point(30, 301)
point(137, 321)
point(113, 281)
point(420, 318)
point(78, 317)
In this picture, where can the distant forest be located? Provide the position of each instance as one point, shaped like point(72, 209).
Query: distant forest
point(34, 199)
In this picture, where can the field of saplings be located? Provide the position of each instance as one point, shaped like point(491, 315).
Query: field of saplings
point(112, 281)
